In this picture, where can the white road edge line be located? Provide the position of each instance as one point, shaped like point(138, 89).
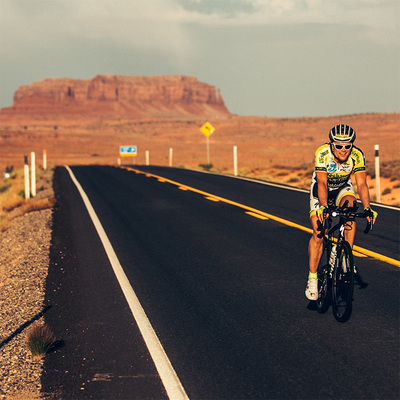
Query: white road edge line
point(168, 376)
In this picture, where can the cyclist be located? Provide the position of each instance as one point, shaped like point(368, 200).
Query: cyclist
point(335, 161)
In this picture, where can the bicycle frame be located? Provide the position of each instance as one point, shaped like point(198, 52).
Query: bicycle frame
point(336, 271)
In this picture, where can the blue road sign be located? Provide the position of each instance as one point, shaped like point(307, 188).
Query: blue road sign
point(127, 151)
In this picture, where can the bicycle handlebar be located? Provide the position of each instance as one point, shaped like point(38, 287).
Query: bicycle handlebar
point(345, 213)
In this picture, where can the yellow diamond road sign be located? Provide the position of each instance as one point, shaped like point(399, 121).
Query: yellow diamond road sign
point(207, 129)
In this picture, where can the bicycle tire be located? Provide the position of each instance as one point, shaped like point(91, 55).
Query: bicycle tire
point(324, 281)
point(343, 283)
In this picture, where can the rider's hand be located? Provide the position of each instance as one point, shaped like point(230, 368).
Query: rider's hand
point(370, 213)
point(321, 213)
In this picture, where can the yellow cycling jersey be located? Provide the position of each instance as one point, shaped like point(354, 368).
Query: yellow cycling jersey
point(338, 174)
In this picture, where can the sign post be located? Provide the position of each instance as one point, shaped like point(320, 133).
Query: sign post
point(207, 130)
point(128, 151)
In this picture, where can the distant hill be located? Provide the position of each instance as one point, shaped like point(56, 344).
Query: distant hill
point(115, 95)
point(86, 122)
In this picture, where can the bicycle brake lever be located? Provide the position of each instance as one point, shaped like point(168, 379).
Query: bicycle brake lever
point(368, 227)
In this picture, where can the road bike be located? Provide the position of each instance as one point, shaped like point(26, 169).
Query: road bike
point(336, 268)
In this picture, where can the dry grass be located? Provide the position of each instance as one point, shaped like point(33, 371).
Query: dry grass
point(12, 197)
point(39, 340)
point(11, 192)
point(27, 206)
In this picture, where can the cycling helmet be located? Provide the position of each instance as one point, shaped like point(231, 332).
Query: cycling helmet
point(342, 133)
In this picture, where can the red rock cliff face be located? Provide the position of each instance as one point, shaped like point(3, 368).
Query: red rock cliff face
point(138, 96)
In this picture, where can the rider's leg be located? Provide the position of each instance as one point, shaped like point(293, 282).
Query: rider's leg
point(350, 230)
point(314, 246)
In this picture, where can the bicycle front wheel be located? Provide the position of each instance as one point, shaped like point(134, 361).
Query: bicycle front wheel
point(343, 283)
point(324, 282)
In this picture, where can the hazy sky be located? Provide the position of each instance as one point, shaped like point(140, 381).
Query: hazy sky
point(278, 58)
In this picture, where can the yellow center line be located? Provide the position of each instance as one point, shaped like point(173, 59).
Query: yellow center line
point(256, 215)
point(357, 254)
point(259, 213)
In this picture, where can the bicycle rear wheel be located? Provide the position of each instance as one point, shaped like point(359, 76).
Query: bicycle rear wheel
point(343, 283)
point(324, 282)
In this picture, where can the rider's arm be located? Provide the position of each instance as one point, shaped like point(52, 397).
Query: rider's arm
point(363, 190)
point(362, 187)
point(322, 180)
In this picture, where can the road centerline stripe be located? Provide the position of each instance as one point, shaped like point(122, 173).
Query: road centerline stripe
point(256, 215)
point(168, 376)
point(361, 250)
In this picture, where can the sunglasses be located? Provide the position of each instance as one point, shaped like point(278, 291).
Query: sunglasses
point(340, 146)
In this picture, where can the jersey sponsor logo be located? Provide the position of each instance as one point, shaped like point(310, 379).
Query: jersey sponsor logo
point(332, 167)
point(359, 169)
point(345, 168)
point(356, 156)
point(337, 184)
point(322, 155)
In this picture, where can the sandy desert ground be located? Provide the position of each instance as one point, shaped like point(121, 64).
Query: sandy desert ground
point(273, 149)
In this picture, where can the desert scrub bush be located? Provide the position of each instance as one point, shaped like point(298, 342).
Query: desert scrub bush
point(39, 339)
point(265, 177)
point(391, 169)
point(243, 172)
point(388, 169)
point(4, 187)
point(293, 179)
point(206, 167)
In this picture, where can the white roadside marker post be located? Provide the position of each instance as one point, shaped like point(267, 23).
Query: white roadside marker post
point(26, 176)
point(377, 174)
point(33, 174)
point(44, 160)
point(235, 169)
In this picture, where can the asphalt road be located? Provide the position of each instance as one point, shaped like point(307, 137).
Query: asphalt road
point(223, 290)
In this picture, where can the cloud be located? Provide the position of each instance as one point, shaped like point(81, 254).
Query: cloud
point(150, 24)
point(163, 24)
point(379, 19)
point(256, 51)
